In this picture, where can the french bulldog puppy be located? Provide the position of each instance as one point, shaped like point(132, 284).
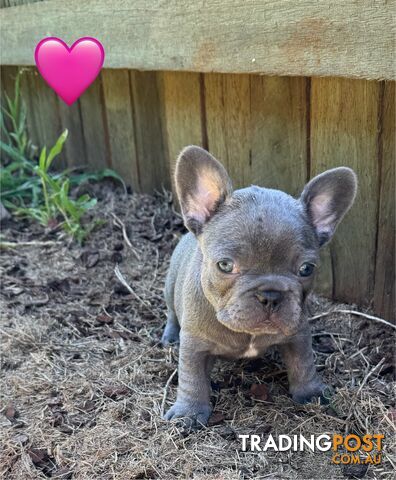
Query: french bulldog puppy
point(239, 279)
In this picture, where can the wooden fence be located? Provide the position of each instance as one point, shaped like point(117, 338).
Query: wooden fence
point(274, 131)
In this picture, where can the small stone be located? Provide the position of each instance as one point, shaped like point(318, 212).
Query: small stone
point(116, 257)
point(10, 412)
point(38, 455)
point(42, 461)
point(104, 319)
point(21, 438)
point(144, 415)
point(53, 402)
point(263, 429)
point(227, 432)
point(259, 391)
point(89, 258)
point(354, 471)
point(216, 418)
point(115, 392)
point(66, 429)
point(324, 344)
point(57, 419)
point(88, 406)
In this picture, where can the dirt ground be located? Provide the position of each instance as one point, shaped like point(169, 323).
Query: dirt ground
point(84, 377)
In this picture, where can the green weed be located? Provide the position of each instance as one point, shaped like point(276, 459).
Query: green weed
point(28, 187)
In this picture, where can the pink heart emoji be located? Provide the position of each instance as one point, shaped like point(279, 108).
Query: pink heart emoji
point(69, 71)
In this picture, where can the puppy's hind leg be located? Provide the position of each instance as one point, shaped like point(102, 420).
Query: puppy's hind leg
point(172, 329)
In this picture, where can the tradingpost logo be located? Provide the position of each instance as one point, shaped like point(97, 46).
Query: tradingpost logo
point(345, 448)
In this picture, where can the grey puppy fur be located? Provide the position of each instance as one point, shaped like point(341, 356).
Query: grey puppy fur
point(238, 281)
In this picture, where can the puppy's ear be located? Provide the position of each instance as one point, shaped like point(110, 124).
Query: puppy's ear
point(202, 184)
point(327, 198)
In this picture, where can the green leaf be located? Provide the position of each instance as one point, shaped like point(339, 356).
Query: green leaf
point(56, 149)
point(78, 179)
point(84, 198)
point(3, 128)
point(12, 152)
point(107, 172)
point(89, 203)
point(42, 159)
point(17, 92)
point(11, 107)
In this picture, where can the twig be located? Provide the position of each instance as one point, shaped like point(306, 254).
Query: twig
point(302, 423)
point(369, 375)
point(120, 224)
point(156, 268)
point(37, 301)
point(16, 336)
point(364, 381)
point(354, 312)
point(166, 392)
point(27, 244)
point(124, 282)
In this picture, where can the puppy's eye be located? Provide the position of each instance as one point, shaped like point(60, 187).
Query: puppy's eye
point(306, 269)
point(226, 265)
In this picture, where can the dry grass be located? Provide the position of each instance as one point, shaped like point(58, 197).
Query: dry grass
point(83, 376)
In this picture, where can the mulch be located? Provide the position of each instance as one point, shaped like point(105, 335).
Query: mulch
point(83, 374)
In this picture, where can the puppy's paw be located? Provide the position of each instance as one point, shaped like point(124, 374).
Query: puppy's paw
point(192, 416)
point(312, 391)
point(170, 335)
point(169, 339)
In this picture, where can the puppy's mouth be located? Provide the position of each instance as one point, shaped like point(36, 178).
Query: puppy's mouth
point(261, 323)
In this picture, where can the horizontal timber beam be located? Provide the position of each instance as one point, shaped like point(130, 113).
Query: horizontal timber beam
point(346, 38)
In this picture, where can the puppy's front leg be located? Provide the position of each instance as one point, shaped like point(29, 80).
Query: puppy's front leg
point(304, 382)
point(193, 393)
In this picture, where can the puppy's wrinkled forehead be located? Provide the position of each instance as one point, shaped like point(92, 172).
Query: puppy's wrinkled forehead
point(260, 222)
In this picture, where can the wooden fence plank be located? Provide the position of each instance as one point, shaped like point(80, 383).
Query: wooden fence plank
point(350, 39)
point(119, 115)
point(94, 126)
point(216, 128)
point(279, 132)
point(344, 132)
point(182, 108)
point(32, 97)
point(70, 117)
point(49, 117)
point(258, 127)
point(32, 117)
point(8, 76)
point(227, 104)
point(384, 292)
point(153, 167)
point(47, 110)
point(238, 128)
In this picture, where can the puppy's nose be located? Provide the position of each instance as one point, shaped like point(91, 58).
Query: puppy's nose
point(269, 298)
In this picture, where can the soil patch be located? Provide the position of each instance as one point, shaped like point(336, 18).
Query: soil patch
point(83, 373)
